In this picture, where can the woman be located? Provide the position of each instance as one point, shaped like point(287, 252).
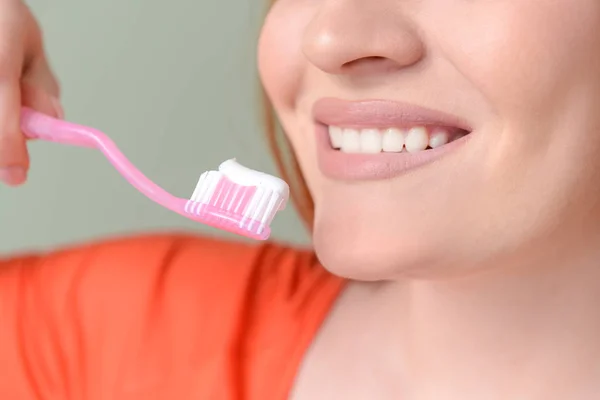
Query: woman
point(451, 150)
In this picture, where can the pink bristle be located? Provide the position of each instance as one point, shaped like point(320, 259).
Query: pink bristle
point(231, 196)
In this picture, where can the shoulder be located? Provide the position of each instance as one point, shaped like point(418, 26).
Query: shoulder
point(210, 267)
point(130, 275)
point(168, 306)
point(130, 267)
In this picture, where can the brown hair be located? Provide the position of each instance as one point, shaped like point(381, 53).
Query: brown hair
point(287, 164)
point(286, 161)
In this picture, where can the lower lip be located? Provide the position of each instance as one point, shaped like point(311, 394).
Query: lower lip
point(354, 167)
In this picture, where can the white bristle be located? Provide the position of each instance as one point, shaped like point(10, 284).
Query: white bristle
point(270, 196)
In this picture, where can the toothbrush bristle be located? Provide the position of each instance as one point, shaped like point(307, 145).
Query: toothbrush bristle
point(234, 206)
point(231, 197)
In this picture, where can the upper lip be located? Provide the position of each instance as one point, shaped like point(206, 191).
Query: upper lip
point(381, 114)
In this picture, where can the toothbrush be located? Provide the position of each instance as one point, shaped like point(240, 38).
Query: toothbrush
point(234, 198)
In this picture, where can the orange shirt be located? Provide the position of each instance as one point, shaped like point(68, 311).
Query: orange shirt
point(168, 317)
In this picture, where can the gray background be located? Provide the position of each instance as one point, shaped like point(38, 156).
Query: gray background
point(174, 83)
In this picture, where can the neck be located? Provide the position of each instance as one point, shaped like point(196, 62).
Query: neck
point(528, 331)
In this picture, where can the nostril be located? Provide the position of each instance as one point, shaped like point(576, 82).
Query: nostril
point(363, 60)
point(366, 59)
point(366, 64)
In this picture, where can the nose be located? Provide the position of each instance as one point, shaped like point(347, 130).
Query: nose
point(361, 37)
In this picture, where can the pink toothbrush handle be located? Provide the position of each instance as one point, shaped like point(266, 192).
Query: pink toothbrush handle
point(36, 125)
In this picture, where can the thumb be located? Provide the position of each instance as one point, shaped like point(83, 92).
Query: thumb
point(40, 90)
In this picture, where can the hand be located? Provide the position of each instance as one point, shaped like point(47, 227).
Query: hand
point(25, 79)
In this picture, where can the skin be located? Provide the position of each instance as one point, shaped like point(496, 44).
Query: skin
point(25, 79)
point(474, 278)
point(477, 276)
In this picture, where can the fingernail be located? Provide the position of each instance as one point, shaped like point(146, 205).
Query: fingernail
point(58, 109)
point(13, 175)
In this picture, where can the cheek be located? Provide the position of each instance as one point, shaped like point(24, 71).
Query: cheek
point(281, 63)
point(282, 67)
point(521, 53)
point(537, 63)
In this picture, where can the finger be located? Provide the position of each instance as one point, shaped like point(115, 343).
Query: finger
point(40, 90)
point(14, 160)
point(39, 87)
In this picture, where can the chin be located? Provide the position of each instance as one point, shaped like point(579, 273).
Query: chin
point(373, 232)
point(370, 255)
point(360, 245)
point(363, 261)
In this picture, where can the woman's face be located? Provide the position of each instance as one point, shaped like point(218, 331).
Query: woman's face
point(439, 135)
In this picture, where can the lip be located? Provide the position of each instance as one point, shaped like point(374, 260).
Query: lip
point(378, 114)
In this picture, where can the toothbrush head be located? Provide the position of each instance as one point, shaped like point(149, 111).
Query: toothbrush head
point(238, 199)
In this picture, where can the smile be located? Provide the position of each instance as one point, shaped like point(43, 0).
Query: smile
point(392, 140)
point(380, 139)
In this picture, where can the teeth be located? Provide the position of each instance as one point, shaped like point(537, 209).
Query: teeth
point(370, 141)
point(350, 141)
point(391, 140)
point(335, 135)
point(417, 139)
point(438, 137)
